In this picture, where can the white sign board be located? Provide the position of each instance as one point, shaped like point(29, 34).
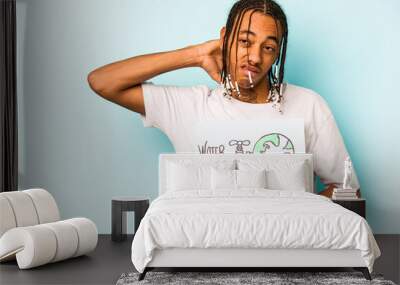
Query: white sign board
point(249, 136)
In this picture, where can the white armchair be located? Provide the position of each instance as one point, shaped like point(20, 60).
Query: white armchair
point(32, 233)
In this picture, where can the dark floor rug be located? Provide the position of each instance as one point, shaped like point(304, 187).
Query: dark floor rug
point(243, 278)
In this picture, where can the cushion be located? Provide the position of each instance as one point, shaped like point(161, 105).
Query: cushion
point(27, 208)
point(182, 178)
point(45, 243)
point(281, 174)
point(251, 178)
point(188, 174)
point(45, 205)
point(7, 220)
point(228, 179)
point(31, 233)
point(223, 179)
point(288, 178)
point(23, 208)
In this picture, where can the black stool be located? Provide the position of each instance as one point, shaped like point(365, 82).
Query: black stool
point(119, 207)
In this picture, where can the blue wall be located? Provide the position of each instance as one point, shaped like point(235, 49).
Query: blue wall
point(85, 150)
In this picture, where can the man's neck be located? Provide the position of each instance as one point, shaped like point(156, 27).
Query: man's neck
point(256, 95)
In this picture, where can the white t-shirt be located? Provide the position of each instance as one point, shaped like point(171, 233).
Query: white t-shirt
point(181, 112)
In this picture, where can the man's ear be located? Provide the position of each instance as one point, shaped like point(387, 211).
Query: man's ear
point(221, 36)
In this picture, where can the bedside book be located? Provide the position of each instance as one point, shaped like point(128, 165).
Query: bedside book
point(344, 194)
point(340, 190)
point(344, 198)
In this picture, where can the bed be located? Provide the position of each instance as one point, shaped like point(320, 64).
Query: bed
point(246, 211)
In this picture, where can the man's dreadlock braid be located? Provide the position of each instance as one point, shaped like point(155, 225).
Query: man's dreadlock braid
point(235, 18)
point(234, 25)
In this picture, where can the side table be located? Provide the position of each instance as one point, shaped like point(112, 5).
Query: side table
point(119, 207)
point(357, 206)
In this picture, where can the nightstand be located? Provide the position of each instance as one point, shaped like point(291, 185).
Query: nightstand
point(119, 207)
point(357, 206)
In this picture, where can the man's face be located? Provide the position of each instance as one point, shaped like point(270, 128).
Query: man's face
point(257, 49)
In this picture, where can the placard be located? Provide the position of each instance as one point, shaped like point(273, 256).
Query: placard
point(249, 136)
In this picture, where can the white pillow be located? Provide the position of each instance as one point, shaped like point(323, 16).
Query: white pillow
point(228, 179)
point(223, 179)
point(188, 175)
point(251, 178)
point(288, 178)
point(281, 174)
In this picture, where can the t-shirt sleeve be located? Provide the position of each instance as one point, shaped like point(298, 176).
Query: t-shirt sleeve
point(166, 106)
point(330, 153)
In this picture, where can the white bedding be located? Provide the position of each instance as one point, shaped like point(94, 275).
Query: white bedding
point(250, 218)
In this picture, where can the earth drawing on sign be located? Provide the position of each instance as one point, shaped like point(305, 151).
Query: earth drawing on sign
point(274, 143)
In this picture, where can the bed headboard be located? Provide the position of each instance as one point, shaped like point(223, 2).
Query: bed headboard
point(165, 157)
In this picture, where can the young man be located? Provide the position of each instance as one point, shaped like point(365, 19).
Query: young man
point(248, 60)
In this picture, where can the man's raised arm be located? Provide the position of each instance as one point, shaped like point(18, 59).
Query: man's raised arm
point(120, 82)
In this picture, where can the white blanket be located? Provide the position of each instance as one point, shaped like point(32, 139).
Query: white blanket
point(251, 218)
